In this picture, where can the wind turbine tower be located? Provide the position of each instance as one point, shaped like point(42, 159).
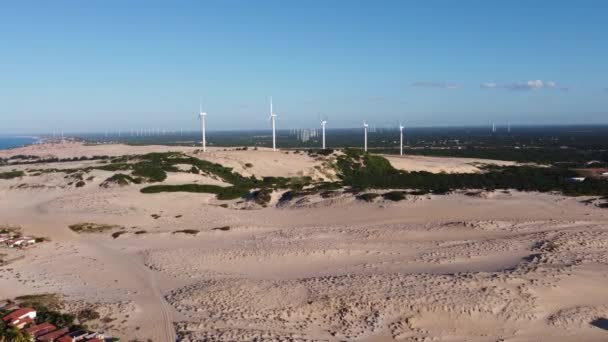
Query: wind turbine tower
point(323, 123)
point(493, 127)
point(365, 126)
point(401, 139)
point(272, 118)
point(202, 115)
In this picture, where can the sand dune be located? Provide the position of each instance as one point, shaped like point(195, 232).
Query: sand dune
point(495, 267)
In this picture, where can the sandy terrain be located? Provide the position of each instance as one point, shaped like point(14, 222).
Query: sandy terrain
point(504, 266)
point(441, 164)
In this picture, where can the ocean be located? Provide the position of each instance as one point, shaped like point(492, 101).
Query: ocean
point(10, 142)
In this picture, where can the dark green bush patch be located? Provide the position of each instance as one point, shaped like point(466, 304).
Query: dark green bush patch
point(394, 196)
point(367, 197)
point(186, 231)
point(11, 174)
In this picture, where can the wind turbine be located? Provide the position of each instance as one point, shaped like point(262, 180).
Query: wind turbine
point(493, 127)
point(323, 123)
point(365, 126)
point(401, 139)
point(272, 118)
point(201, 116)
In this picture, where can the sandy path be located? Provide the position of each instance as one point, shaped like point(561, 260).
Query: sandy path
point(157, 315)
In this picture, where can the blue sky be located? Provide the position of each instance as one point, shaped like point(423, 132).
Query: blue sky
point(101, 65)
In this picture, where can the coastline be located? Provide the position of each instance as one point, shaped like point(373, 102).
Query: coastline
point(10, 142)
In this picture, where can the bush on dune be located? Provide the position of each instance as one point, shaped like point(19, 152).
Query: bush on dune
point(150, 172)
point(11, 174)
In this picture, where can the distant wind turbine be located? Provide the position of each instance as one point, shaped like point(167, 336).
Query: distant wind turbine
point(272, 118)
point(365, 126)
point(323, 123)
point(202, 115)
point(401, 139)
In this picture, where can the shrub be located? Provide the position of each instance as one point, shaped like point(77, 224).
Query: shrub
point(87, 315)
point(367, 197)
point(11, 174)
point(88, 227)
point(261, 197)
point(115, 235)
point(120, 179)
point(394, 196)
point(149, 171)
point(201, 188)
point(187, 231)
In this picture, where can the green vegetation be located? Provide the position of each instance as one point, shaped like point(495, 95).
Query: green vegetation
point(12, 334)
point(120, 179)
point(362, 171)
point(262, 196)
point(88, 227)
point(11, 174)
point(367, 197)
point(394, 196)
point(201, 188)
point(150, 172)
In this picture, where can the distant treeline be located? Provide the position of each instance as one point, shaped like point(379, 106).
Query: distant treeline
point(22, 159)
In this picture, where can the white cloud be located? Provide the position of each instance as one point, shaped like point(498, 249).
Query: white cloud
point(529, 85)
point(442, 85)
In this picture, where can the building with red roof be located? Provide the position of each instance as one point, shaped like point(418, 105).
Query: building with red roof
point(19, 314)
point(53, 336)
point(40, 329)
point(21, 323)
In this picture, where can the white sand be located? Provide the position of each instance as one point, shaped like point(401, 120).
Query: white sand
point(501, 267)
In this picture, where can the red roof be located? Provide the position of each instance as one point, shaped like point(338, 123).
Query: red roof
point(17, 313)
point(65, 339)
point(21, 322)
point(53, 335)
point(40, 329)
